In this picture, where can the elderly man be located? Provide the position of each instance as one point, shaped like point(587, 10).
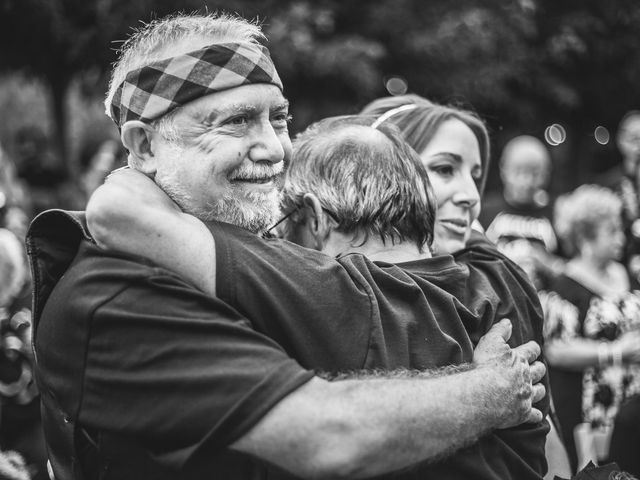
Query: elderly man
point(144, 376)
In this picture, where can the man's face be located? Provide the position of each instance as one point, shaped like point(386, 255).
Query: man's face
point(230, 156)
point(629, 143)
point(525, 172)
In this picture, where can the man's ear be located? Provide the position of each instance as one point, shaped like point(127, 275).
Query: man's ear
point(137, 138)
point(318, 222)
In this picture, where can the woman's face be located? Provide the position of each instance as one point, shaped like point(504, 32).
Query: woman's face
point(608, 242)
point(452, 159)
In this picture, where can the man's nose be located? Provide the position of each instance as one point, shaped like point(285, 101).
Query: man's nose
point(267, 146)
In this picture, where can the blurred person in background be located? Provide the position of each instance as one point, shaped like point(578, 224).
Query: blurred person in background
point(591, 321)
point(15, 201)
point(12, 466)
point(518, 218)
point(106, 158)
point(20, 426)
point(45, 175)
point(625, 181)
point(454, 147)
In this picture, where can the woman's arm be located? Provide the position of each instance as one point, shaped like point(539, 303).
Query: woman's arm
point(131, 214)
point(580, 353)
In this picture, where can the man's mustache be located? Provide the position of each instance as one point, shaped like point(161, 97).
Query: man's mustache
point(257, 171)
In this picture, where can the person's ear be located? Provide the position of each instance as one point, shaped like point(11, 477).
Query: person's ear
point(137, 138)
point(318, 222)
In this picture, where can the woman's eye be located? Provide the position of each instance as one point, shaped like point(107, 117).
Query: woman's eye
point(444, 170)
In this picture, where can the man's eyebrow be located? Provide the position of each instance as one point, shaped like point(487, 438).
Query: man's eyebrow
point(284, 105)
point(234, 109)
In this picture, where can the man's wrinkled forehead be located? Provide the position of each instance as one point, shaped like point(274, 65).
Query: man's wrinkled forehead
point(245, 100)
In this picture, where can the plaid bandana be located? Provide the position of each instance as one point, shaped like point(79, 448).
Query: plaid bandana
point(157, 88)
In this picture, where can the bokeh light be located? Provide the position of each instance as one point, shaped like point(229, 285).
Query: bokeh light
point(555, 134)
point(601, 135)
point(396, 85)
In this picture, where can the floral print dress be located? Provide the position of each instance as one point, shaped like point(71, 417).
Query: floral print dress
point(574, 311)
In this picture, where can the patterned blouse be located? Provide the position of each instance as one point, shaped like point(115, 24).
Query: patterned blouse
point(574, 311)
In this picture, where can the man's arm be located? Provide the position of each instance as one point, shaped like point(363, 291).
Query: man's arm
point(243, 391)
point(130, 213)
point(365, 427)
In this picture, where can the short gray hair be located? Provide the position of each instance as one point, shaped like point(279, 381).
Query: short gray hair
point(153, 40)
point(577, 214)
point(371, 180)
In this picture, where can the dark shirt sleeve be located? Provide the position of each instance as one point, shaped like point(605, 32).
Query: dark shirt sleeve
point(305, 300)
point(178, 371)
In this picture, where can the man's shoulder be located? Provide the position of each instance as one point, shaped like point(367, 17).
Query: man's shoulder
point(238, 248)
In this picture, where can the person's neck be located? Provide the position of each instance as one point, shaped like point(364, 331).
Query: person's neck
point(516, 199)
point(374, 248)
point(599, 275)
point(592, 262)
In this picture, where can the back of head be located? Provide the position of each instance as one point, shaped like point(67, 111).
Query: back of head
point(418, 119)
point(177, 34)
point(370, 179)
point(525, 148)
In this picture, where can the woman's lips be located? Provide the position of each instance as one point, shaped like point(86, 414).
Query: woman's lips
point(455, 225)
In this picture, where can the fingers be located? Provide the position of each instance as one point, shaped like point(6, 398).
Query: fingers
point(539, 391)
point(529, 351)
point(502, 328)
point(535, 416)
point(537, 369)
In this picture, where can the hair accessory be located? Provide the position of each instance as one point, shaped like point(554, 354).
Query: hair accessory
point(390, 113)
point(155, 89)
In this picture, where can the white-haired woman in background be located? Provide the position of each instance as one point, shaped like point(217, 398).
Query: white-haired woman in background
point(592, 319)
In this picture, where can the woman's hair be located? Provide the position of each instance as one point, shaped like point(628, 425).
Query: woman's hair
point(418, 124)
point(577, 214)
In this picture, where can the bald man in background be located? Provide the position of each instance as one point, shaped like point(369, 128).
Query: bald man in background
point(518, 218)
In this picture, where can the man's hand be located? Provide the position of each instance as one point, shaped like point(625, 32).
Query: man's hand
point(494, 343)
point(520, 374)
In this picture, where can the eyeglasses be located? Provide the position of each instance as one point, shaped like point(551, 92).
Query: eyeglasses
point(297, 208)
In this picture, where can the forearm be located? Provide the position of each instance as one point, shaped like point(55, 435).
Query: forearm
point(122, 220)
point(575, 354)
point(361, 428)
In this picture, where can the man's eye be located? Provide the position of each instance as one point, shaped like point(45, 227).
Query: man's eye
point(239, 120)
point(281, 118)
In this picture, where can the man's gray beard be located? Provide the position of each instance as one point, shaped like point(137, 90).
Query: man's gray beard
point(253, 210)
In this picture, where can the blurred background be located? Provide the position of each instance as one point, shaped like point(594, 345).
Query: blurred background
point(565, 71)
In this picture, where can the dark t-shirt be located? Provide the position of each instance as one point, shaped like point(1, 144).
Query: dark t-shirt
point(160, 376)
point(351, 313)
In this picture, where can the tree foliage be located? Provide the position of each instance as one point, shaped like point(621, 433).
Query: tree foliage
point(522, 64)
